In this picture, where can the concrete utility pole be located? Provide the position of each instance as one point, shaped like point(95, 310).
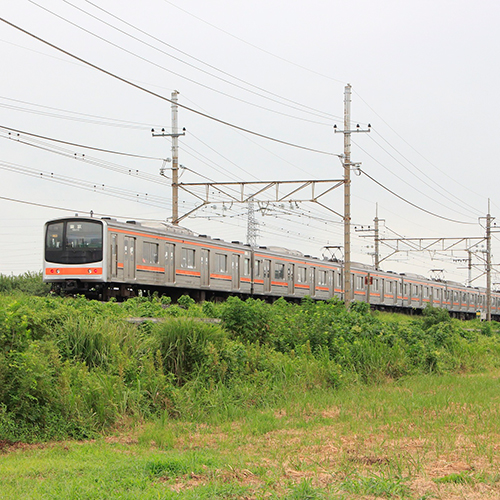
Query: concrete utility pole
point(175, 157)
point(348, 296)
point(488, 263)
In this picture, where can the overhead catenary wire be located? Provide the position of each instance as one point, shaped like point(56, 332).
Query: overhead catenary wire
point(154, 94)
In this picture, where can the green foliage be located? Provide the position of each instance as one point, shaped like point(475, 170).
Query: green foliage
point(74, 367)
point(377, 485)
point(29, 282)
point(186, 301)
point(434, 315)
point(246, 320)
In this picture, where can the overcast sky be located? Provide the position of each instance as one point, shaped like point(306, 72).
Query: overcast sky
point(424, 74)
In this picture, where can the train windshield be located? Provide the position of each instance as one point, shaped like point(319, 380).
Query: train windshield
point(73, 242)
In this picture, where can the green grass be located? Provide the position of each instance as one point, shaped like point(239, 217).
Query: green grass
point(388, 441)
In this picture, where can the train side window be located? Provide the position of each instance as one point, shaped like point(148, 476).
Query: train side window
point(279, 271)
point(258, 268)
point(301, 275)
point(221, 262)
point(375, 282)
point(187, 259)
point(246, 267)
point(321, 277)
point(149, 253)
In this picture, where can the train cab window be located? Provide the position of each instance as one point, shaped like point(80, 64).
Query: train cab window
point(150, 253)
point(187, 258)
point(74, 242)
point(221, 263)
point(321, 277)
point(301, 275)
point(279, 271)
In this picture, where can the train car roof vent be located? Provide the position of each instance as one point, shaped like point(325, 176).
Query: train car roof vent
point(265, 248)
point(133, 222)
point(236, 242)
point(108, 218)
point(204, 236)
point(307, 255)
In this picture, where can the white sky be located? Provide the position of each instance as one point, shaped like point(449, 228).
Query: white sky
point(424, 74)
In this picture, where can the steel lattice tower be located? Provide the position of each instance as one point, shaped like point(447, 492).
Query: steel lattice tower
point(252, 224)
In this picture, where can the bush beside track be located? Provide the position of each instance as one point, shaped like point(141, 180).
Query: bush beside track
point(76, 368)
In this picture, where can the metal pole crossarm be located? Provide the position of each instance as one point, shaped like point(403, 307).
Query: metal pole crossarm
point(163, 134)
point(266, 185)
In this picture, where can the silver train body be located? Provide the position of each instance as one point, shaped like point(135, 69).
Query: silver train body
point(105, 258)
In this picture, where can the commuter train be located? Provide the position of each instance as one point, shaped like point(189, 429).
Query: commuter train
point(103, 258)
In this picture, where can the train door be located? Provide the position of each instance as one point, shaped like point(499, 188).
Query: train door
point(291, 279)
point(313, 281)
point(235, 268)
point(129, 258)
point(205, 267)
point(169, 262)
point(114, 255)
point(267, 275)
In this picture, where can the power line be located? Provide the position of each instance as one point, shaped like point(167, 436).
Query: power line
point(87, 118)
point(406, 182)
point(154, 94)
point(416, 151)
point(316, 111)
point(79, 145)
point(413, 204)
point(169, 70)
point(419, 170)
point(255, 46)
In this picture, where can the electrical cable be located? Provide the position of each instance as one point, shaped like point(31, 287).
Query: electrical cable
point(422, 172)
point(413, 204)
point(93, 119)
point(169, 70)
point(316, 111)
point(80, 145)
point(154, 94)
point(255, 46)
point(407, 183)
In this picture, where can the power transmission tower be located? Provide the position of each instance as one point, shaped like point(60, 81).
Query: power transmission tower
point(175, 157)
point(346, 159)
point(252, 224)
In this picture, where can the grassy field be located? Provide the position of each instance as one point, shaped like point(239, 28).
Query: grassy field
point(419, 437)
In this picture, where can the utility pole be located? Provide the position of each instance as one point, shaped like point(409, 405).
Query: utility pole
point(348, 296)
point(377, 249)
point(488, 263)
point(175, 157)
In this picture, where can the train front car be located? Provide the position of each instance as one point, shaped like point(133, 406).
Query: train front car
point(74, 255)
